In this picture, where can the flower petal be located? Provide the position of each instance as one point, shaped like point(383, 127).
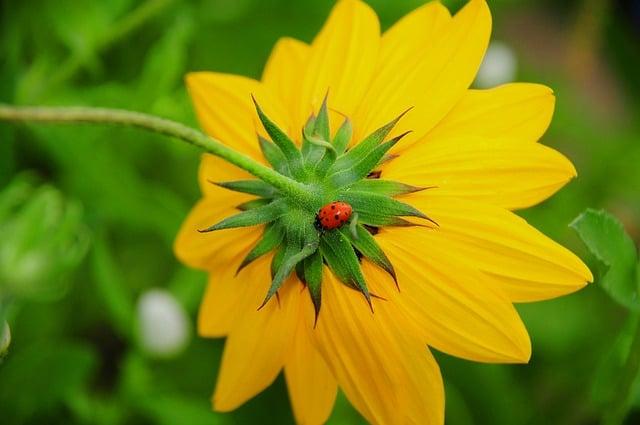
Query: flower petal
point(312, 387)
point(527, 264)
point(200, 250)
point(505, 173)
point(227, 298)
point(433, 78)
point(385, 371)
point(225, 110)
point(342, 60)
point(256, 348)
point(212, 170)
point(519, 112)
point(284, 74)
point(458, 310)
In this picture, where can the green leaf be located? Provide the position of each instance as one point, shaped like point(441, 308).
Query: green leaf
point(384, 187)
point(341, 258)
point(605, 237)
point(273, 155)
point(252, 187)
point(366, 244)
point(252, 217)
point(271, 238)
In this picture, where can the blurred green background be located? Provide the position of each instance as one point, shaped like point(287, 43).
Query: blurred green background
point(113, 200)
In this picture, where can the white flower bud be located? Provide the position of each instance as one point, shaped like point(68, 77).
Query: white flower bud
point(163, 325)
point(498, 67)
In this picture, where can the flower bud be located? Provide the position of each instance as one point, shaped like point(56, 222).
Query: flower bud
point(43, 239)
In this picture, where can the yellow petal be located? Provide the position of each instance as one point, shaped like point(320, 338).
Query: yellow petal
point(433, 83)
point(458, 310)
point(342, 60)
point(527, 264)
point(225, 110)
point(200, 250)
point(519, 112)
point(312, 387)
point(256, 348)
point(504, 173)
point(384, 369)
point(284, 74)
point(227, 299)
point(212, 170)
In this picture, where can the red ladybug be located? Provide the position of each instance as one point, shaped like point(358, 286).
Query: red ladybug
point(334, 215)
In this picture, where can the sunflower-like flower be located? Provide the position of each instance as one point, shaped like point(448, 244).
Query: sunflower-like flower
point(405, 238)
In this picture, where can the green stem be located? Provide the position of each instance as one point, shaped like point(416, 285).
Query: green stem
point(620, 407)
point(295, 190)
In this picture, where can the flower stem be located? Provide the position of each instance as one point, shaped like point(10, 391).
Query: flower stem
point(296, 190)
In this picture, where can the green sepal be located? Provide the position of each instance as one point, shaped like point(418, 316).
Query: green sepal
point(271, 239)
point(364, 202)
point(366, 244)
point(365, 147)
point(389, 156)
point(252, 187)
point(280, 138)
point(253, 204)
point(385, 187)
point(359, 170)
point(343, 261)
point(340, 142)
point(307, 129)
point(277, 260)
point(320, 138)
point(252, 217)
point(273, 155)
point(377, 220)
point(321, 127)
point(291, 257)
point(343, 136)
point(312, 266)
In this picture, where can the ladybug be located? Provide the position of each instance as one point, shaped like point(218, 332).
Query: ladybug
point(334, 215)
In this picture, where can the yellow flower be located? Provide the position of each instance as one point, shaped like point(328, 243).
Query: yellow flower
point(476, 149)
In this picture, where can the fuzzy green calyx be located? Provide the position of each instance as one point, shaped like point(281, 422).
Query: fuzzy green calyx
point(332, 172)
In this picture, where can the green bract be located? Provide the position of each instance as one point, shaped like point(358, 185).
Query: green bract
point(332, 172)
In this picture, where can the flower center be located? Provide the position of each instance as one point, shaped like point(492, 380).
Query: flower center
point(350, 202)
